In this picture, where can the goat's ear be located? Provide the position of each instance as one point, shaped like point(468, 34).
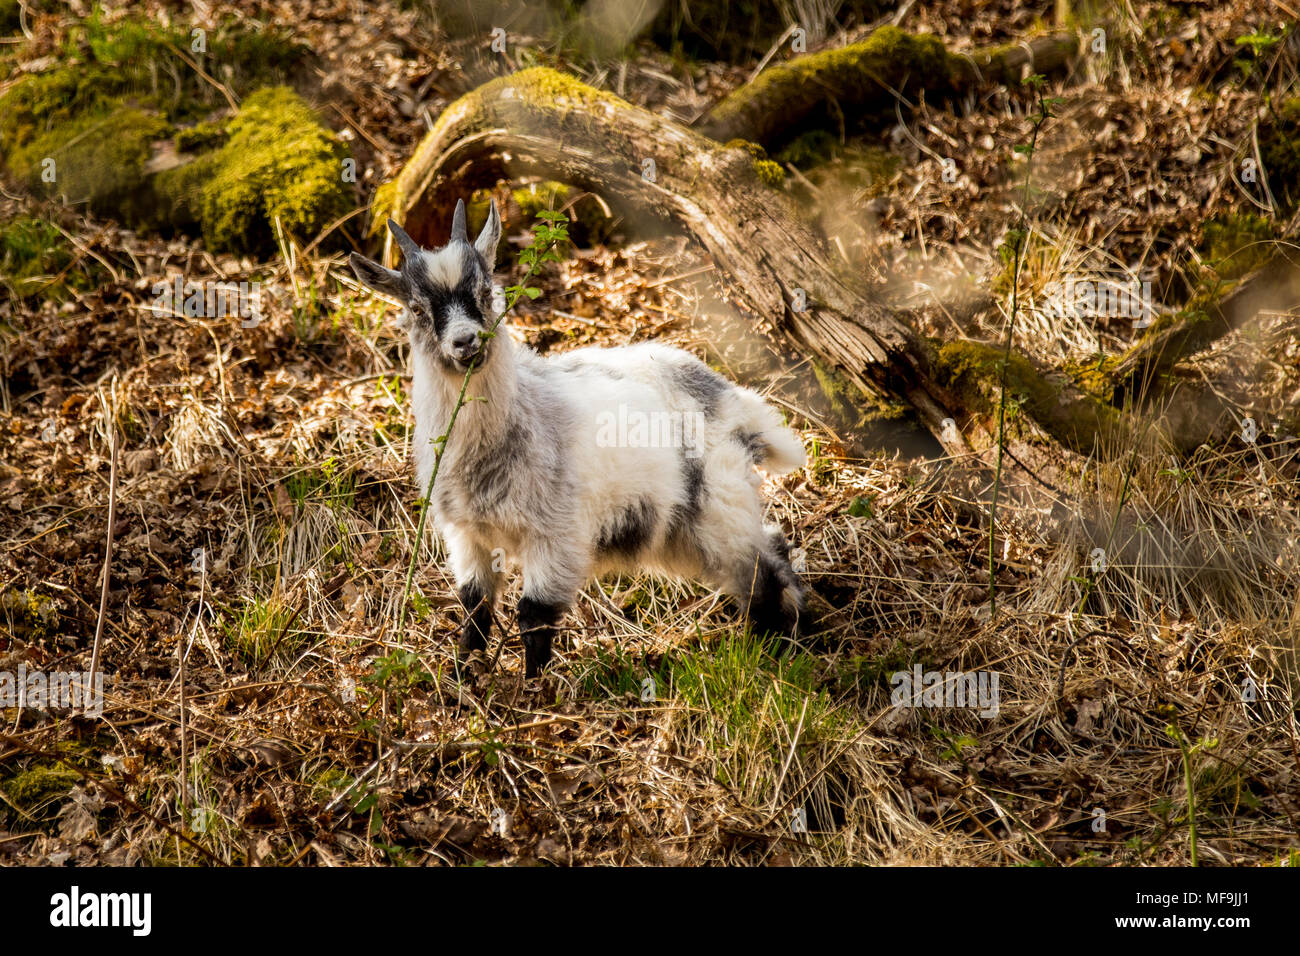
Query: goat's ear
point(372, 274)
point(487, 240)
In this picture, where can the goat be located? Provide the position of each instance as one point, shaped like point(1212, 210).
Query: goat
point(600, 459)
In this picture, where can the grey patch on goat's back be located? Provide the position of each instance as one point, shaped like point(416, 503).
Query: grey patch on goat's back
point(629, 531)
point(575, 363)
point(702, 384)
point(754, 444)
point(686, 512)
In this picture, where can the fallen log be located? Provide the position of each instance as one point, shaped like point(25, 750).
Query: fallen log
point(870, 75)
point(1273, 287)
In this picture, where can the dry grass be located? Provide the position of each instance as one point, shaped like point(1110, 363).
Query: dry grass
point(320, 736)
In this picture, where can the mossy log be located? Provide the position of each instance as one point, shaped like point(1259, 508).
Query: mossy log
point(542, 123)
point(1274, 287)
point(869, 75)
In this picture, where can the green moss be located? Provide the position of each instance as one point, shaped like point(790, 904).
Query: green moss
point(542, 86)
point(808, 149)
point(29, 614)
point(201, 138)
point(1095, 376)
point(140, 60)
point(39, 103)
point(384, 205)
point(849, 405)
point(973, 371)
point(257, 55)
point(33, 789)
point(1235, 244)
point(533, 199)
point(588, 224)
point(278, 163)
point(121, 86)
point(96, 160)
point(123, 43)
point(243, 53)
point(37, 791)
point(534, 88)
point(769, 173)
point(895, 57)
point(754, 149)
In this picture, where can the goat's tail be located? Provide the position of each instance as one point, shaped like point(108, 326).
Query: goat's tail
point(777, 449)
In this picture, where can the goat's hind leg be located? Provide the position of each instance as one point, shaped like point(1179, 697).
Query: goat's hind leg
point(769, 590)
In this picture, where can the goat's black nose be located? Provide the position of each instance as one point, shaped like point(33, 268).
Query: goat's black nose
point(465, 346)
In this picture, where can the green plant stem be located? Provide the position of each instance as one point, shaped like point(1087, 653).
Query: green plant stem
point(1191, 802)
point(1177, 734)
point(1022, 244)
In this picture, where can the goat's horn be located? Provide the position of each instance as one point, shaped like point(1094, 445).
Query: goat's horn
point(458, 223)
point(408, 245)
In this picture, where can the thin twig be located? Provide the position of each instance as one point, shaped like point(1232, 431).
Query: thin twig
point(110, 409)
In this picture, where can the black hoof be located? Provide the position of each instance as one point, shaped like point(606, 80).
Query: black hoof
point(536, 656)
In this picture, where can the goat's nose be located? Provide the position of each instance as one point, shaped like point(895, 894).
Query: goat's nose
point(465, 346)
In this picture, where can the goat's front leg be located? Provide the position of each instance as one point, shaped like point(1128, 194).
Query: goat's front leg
point(476, 586)
point(551, 580)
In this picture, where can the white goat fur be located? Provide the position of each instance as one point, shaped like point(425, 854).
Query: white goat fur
point(526, 475)
point(552, 516)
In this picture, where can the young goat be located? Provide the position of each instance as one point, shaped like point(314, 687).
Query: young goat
point(597, 460)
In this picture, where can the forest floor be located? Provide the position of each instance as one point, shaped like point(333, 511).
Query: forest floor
point(265, 515)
